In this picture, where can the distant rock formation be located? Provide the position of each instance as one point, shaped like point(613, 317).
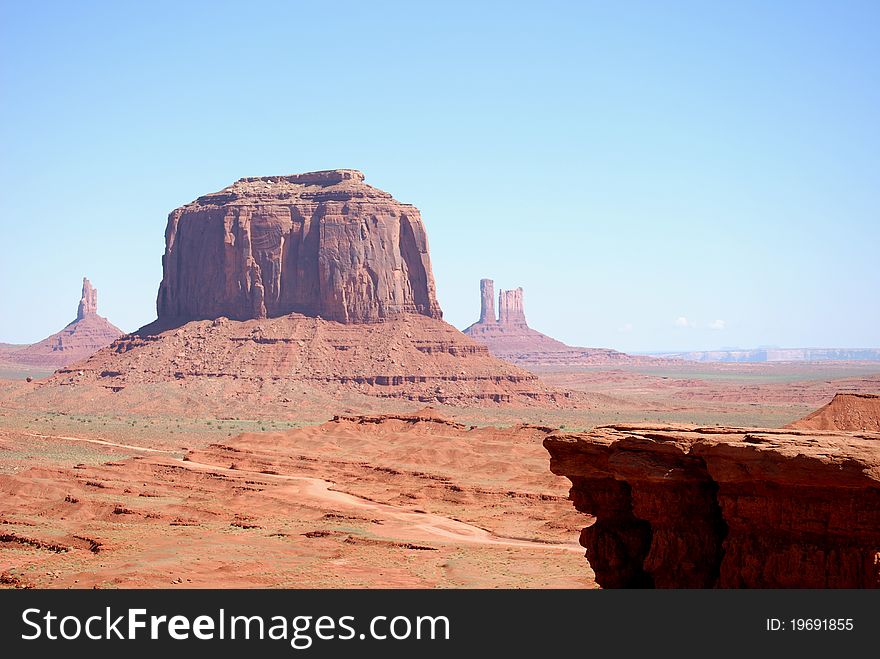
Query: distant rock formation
point(320, 244)
point(691, 507)
point(487, 301)
point(779, 355)
point(88, 303)
point(510, 308)
point(509, 336)
point(845, 412)
point(300, 283)
point(81, 338)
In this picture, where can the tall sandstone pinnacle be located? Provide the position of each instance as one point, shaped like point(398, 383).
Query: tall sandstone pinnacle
point(88, 303)
point(81, 338)
point(320, 244)
point(487, 301)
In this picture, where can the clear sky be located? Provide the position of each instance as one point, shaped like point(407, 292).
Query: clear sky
point(656, 175)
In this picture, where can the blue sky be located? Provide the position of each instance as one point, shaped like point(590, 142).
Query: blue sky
point(656, 175)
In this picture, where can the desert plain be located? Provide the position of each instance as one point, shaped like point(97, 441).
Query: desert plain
point(205, 494)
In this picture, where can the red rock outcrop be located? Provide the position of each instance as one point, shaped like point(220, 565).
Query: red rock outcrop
point(487, 301)
point(81, 338)
point(846, 411)
point(88, 303)
point(411, 357)
point(511, 339)
point(510, 307)
point(320, 244)
point(691, 507)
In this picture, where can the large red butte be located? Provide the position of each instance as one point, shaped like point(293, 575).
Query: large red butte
point(320, 244)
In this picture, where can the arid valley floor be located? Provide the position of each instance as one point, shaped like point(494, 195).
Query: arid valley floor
point(206, 493)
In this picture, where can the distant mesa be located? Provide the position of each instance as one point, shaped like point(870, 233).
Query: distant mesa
point(319, 244)
point(846, 411)
point(314, 283)
point(760, 355)
point(81, 338)
point(509, 337)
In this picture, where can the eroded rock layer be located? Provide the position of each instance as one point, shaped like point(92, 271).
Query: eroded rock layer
point(846, 411)
point(320, 244)
point(410, 357)
point(691, 507)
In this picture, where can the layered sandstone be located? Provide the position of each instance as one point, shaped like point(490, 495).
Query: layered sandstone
point(846, 411)
point(411, 357)
point(320, 244)
point(692, 507)
point(81, 338)
point(510, 338)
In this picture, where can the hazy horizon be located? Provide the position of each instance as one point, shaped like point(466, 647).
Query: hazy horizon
point(656, 178)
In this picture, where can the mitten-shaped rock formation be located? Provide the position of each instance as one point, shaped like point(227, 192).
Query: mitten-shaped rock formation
point(691, 507)
point(320, 244)
point(510, 337)
point(84, 336)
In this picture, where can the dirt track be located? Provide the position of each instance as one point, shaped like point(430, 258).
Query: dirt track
point(405, 525)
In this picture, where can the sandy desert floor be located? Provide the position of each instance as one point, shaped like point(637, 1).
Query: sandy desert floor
point(189, 496)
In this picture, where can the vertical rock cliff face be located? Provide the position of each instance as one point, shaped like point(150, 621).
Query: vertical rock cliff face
point(487, 301)
point(510, 307)
point(689, 507)
point(88, 303)
point(321, 244)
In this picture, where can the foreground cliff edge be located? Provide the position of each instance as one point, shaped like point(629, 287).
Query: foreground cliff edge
point(702, 507)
